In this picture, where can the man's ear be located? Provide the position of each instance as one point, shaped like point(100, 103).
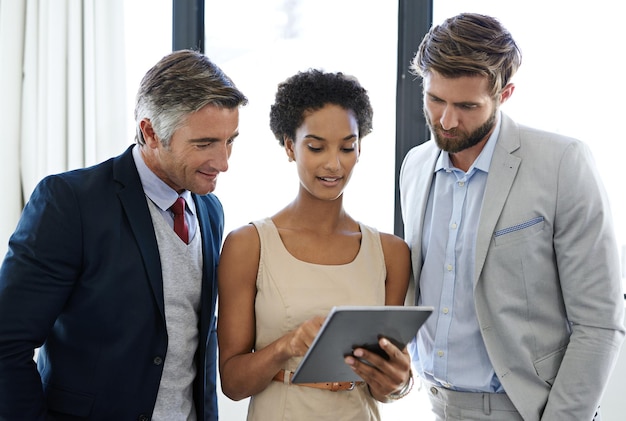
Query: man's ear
point(149, 136)
point(506, 92)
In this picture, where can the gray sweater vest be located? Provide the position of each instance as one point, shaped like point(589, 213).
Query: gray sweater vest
point(182, 284)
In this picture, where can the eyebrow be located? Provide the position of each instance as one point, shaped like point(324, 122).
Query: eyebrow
point(462, 103)
point(211, 139)
point(345, 139)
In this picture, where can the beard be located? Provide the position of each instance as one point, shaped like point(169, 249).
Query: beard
point(462, 140)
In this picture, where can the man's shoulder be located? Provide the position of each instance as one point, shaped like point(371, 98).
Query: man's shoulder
point(103, 167)
point(86, 180)
point(422, 151)
point(533, 135)
point(209, 204)
point(210, 201)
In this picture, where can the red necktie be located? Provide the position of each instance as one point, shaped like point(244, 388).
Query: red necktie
point(180, 225)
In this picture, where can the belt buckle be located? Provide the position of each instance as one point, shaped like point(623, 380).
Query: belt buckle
point(336, 386)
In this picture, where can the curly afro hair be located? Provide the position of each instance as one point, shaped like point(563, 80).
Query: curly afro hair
point(312, 90)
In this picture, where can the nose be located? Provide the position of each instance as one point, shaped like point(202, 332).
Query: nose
point(332, 163)
point(448, 119)
point(220, 158)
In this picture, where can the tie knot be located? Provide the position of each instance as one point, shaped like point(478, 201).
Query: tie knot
point(180, 224)
point(178, 208)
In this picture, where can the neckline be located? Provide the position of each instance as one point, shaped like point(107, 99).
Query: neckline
point(276, 233)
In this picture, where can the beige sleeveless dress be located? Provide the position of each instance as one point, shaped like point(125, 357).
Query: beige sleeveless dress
point(290, 291)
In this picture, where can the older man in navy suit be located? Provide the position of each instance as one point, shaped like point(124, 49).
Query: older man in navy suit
point(122, 306)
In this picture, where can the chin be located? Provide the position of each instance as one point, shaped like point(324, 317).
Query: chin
point(204, 191)
point(204, 187)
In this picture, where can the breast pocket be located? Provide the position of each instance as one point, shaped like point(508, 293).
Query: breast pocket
point(519, 232)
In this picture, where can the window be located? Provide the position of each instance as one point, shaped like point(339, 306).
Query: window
point(270, 42)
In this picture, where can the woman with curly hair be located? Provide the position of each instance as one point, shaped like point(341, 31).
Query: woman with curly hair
point(279, 277)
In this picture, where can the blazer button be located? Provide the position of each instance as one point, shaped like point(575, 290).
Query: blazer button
point(143, 417)
point(157, 360)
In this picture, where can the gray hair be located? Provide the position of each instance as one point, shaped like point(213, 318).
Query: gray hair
point(180, 84)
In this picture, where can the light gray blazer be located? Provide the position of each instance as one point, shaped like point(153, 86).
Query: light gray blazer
point(547, 286)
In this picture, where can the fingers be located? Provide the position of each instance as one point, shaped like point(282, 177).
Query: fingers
point(397, 359)
point(304, 335)
point(382, 375)
point(400, 359)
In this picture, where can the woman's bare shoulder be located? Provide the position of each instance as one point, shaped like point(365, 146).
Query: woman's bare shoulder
point(392, 243)
point(243, 237)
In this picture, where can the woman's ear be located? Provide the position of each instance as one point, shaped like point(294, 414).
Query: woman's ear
point(289, 149)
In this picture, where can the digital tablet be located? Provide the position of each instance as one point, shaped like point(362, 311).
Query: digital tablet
point(350, 327)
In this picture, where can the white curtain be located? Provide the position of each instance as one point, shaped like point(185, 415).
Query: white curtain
point(63, 100)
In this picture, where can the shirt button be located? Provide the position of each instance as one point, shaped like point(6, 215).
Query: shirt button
point(453, 226)
point(449, 267)
point(445, 310)
point(157, 360)
point(440, 353)
point(461, 183)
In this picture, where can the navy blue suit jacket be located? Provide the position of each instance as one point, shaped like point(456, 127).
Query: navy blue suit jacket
point(82, 279)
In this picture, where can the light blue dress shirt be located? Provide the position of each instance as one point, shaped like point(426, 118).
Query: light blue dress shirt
point(450, 349)
point(163, 196)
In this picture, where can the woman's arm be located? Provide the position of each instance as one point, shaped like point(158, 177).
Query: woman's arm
point(398, 264)
point(243, 372)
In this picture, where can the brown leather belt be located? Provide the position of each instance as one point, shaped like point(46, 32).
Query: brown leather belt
point(332, 386)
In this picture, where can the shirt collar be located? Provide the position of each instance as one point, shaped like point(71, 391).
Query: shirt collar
point(156, 189)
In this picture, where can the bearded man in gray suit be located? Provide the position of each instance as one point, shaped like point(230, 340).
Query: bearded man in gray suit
point(512, 242)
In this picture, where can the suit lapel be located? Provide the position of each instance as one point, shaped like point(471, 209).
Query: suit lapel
point(418, 177)
point(207, 248)
point(502, 172)
point(133, 200)
point(420, 198)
